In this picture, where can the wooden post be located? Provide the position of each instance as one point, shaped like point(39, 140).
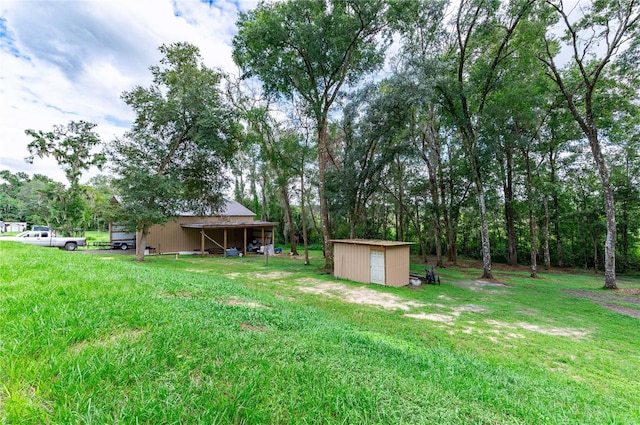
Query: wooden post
point(224, 254)
point(202, 241)
point(244, 244)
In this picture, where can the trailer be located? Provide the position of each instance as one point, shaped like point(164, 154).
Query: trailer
point(120, 237)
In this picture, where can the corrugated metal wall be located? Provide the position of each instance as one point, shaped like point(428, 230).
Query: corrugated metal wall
point(352, 262)
point(397, 266)
point(171, 237)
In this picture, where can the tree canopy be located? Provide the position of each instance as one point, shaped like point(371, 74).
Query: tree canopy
point(185, 133)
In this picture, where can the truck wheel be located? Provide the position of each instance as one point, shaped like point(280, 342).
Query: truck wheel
point(70, 246)
point(124, 247)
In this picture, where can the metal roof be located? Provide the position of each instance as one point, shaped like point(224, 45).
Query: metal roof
point(229, 224)
point(229, 209)
point(374, 242)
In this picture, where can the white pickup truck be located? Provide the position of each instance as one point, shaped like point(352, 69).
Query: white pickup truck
point(48, 238)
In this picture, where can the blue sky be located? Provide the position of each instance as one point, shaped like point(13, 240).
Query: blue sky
point(71, 60)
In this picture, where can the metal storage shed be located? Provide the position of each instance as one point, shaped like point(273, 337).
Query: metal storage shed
point(372, 261)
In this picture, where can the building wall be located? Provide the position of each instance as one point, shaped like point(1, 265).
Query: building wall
point(352, 262)
point(171, 237)
point(397, 265)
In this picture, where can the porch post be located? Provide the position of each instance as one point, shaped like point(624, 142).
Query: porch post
point(202, 241)
point(244, 244)
point(225, 243)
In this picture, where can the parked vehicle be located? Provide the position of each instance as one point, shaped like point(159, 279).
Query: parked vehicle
point(120, 237)
point(48, 238)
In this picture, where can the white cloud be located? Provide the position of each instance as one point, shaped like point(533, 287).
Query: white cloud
point(71, 60)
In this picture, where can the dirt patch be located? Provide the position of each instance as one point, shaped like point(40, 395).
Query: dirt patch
point(480, 285)
point(250, 327)
point(179, 294)
point(450, 316)
point(197, 270)
point(357, 295)
point(444, 318)
point(242, 303)
point(566, 332)
point(606, 298)
point(271, 275)
point(128, 335)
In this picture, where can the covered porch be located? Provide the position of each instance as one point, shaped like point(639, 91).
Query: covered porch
point(219, 237)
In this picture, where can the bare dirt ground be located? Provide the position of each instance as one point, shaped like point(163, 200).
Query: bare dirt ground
point(481, 285)
point(356, 295)
point(606, 298)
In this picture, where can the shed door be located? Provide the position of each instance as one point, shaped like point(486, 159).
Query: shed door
point(377, 267)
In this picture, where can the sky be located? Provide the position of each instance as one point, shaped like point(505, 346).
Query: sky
point(63, 61)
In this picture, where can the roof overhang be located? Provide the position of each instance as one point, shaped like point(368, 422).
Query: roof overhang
point(373, 242)
point(229, 225)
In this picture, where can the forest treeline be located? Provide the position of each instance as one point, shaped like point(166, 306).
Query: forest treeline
point(503, 131)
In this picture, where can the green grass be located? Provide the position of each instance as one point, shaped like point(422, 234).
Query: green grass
point(102, 339)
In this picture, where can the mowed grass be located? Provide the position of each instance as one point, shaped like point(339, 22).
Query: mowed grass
point(101, 339)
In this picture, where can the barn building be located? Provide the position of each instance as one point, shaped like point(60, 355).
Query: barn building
point(233, 230)
point(372, 261)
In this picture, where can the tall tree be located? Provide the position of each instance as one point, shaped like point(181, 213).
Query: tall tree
point(74, 148)
point(598, 37)
point(480, 49)
point(312, 48)
point(184, 135)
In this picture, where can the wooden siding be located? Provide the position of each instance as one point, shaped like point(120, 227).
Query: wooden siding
point(352, 262)
point(397, 266)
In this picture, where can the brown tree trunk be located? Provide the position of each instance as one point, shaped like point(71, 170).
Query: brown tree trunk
point(433, 169)
point(532, 224)
point(289, 218)
point(509, 211)
point(303, 216)
point(142, 243)
point(556, 207)
point(323, 159)
point(484, 225)
point(609, 208)
point(547, 254)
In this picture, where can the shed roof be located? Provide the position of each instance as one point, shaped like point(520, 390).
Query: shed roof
point(230, 208)
point(228, 224)
point(374, 242)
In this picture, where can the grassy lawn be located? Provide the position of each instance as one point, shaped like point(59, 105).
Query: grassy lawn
point(101, 339)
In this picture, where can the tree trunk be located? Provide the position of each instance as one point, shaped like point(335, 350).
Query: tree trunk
point(352, 224)
point(596, 261)
point(450, 215)
point(609, 208)
point(547, 254)
point(289, 217)
point(484, 225)
point(556, 207)
point(142, 243)
point(303, 215)
point(486, 246)
point(509, 211)
point(532, 223)
point(433, 168)
point(400, 232)
point(324, 208)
